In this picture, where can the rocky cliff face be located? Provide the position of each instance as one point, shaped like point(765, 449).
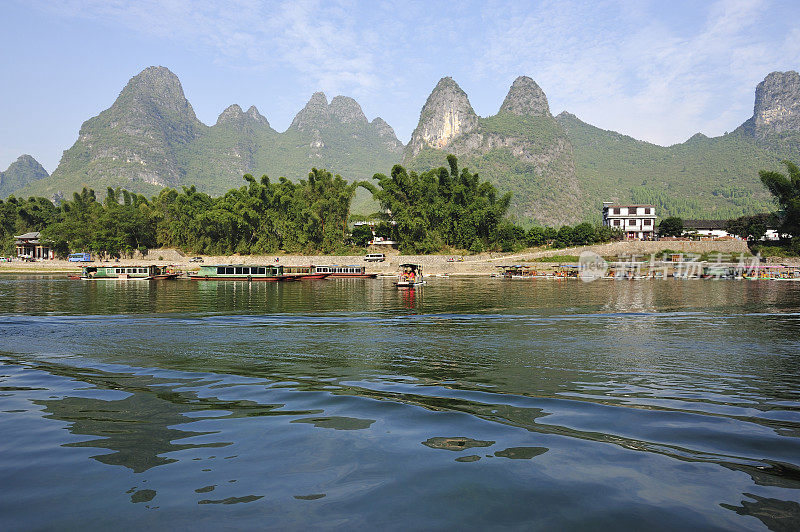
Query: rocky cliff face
point(776, 112)
point(777, 105)
point(347, 111)
point(521, 149)
point(387, 135)
point(314, 115)
point(139, 136)
point(446, 115)
point(21, 172)
point(525, 98)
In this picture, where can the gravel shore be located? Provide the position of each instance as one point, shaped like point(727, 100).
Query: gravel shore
point(480, 264)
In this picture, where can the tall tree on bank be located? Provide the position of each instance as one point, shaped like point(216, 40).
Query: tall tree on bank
point(121, 224)
point(260, 217)
point(672, 226)
point(441, 207)
point(786, 190)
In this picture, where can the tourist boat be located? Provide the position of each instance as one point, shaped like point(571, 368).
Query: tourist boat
point(761, 272)
point(351, 272)
point(241, 272)
point(305, 272)
point(517, 271)
point(566, 271)
point(787, 274)
point(718, 271)
point(132, 273)
point(410, 275)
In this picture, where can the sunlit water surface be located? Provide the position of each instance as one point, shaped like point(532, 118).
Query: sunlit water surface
point(466, 403)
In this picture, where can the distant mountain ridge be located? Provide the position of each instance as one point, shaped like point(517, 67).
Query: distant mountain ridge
point(703, 177)
point(151, 138)
point(22, 172)
point(559, 169)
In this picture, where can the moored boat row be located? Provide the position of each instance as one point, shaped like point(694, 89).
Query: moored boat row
point(224, 272)
point(659, 270)
point(241, 272)
point(132, 273)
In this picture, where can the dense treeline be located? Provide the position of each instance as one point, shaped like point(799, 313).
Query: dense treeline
point(425, 213)
point(441, 207)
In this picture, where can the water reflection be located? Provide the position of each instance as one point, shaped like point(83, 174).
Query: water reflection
point(777, 515)
point(150, 422)
point(621, 395)
point(521, 453)
point(455, 444)
point(135, 428)
point(337, 422)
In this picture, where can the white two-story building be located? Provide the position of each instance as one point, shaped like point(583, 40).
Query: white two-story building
point(638, 222)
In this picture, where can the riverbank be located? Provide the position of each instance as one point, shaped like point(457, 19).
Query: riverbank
point(480, 264)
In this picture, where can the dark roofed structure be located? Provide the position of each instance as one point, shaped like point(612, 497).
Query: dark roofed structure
point(31, 247)
point(707, 225)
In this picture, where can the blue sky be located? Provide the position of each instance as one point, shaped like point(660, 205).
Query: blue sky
point(659, 71)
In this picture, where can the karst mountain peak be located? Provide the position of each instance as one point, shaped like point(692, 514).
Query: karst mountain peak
point(558, 168)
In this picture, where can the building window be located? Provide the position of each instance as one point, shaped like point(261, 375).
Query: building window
point(617, 210)
point(647, 210)
point(648, 222)
point(631, 222)
point(617, 222)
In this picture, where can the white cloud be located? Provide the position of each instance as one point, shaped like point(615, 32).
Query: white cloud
point(320, 40)
point(638, 74)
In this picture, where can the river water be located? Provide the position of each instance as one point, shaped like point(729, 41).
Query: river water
point(467, 403)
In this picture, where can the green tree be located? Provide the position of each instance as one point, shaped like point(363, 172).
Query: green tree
point(672, 226)
point(751, 227)
point(361, 235)
point(536, 236)
point(786, 190)
point(441, 207)
point(584, 234)
point(564, 237)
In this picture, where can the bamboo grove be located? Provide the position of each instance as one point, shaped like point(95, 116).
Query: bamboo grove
point(444, 208)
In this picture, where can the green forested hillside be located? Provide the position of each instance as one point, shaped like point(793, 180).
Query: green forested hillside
point(24, 170)
point(701, 178)
point(528, 156)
